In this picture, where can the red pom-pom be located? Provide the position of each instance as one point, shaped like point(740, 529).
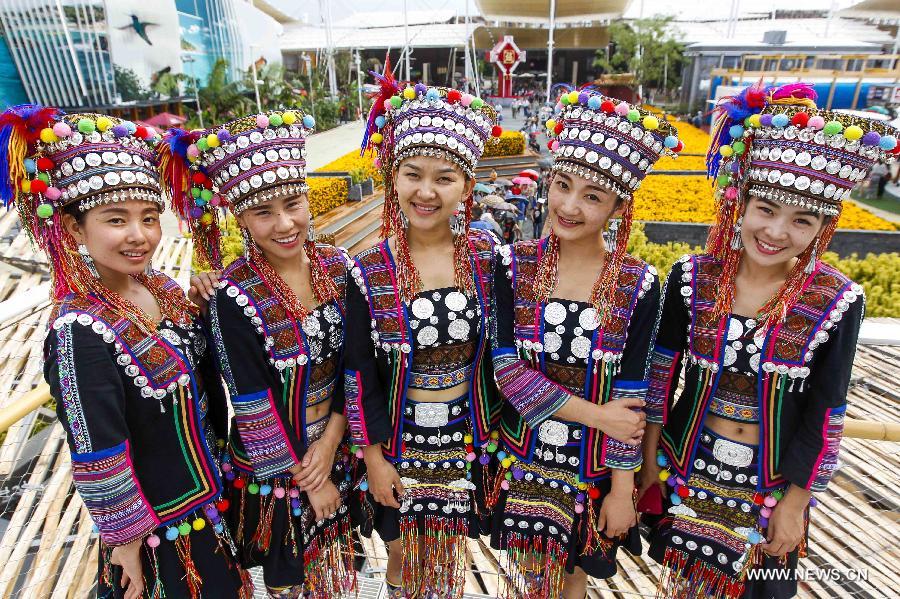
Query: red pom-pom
point(44, 164)
point(496, 130)
point(141, 132)
point(198, 178)
point(558, 129)
point(800, 119)
point(550, 145)
point(607, 106)
point(594, 493)
point(453, 96)
point(758, 498)
point(684, 492)
point(239, 483)
point(896, 149)
point(38, 186)
point(222, 505)
point(516, 190)
point(678, 147)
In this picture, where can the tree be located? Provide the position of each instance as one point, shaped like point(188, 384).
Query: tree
point(222, 100)
point(657, 40)
point(128, 85)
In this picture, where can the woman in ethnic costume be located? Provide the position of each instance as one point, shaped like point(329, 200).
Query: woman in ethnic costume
point(126, 358)
point(420, 394)
point(575, 319)
point(276, 318)
point(766, 333)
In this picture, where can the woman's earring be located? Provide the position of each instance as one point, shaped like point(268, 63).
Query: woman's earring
point(247, 242)
point(88, 261)
point(404, 220)
point(813, 258)
point(456, 220)
point(311, 231)
point(148, 270)
point(736, 241)
point(612, 234)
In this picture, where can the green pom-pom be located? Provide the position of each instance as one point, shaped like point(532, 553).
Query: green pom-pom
point(45, 211)
point(195, 192)
point(184, 529)
point(747, 123)
point(477, 103)
point(396, 101)
point(492, 447)
point(738, 147)
point(633, 115)
point(86, 125)
point(508, 476)
point(564, 99)
point(206, 194)
point(253, 488)
point(275, 120)
point(44, 177)
point(202, 144)
point(833, 128)
point(723, 180)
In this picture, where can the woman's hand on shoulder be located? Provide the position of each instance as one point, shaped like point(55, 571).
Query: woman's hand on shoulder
point(203, 287)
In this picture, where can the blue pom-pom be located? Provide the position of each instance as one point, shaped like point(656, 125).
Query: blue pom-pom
point(171, 533)
point(671, 141)
point(265, 489)
point(130, 126)
point(219, 528)
point(675, 499)
point(30, 166)
point(297, 511)
point(364, 486)
point(888, 142)
point(501, 455)
point(736, 131)
point(662, 461)
point(309, 122)
point(754, 537)
point(594, 102)
point(780, 120)
point(95, 529)
point(432, 94)
point(380, 121)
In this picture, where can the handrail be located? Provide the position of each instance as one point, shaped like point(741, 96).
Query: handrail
point(853, 428)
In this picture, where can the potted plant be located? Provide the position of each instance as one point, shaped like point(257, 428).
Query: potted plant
point(358, 188)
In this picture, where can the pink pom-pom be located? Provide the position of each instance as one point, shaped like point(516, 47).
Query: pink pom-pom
point(622, 108)
point(215, 200)
point(816, 122)
point(555, 145)
point(295, 493)
point(377, 163)
point(770, 501)
point(262, 121)
point(731, 193)
point(505, 485)
point(153, 541)
point(359, 454)
point(466, 99)
point(470, 457)
point(765, 512)
point(278, 492)
point(62, 130)
point(579, 508)
point(151, 132)
point(388, 106)
point(52, 193)
point(226, 467)
point(193, 151)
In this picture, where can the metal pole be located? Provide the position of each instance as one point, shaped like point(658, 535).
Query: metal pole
point(329, 50)
point(312, 96)
point(406, 37)
point(640, 53)
point(550, 47)
point(665, 74)
point(191, 60)
point(475, 69)
point(469, 69)
point(359, 82)
point(255, 81)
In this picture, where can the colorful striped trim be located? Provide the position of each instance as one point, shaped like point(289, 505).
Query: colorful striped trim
point(827, 461)
point(532, 394)
point(356, 419)
point(262, 434)
point(615, 453)
point(68, 383)
point(663, 365)
point(107, 483)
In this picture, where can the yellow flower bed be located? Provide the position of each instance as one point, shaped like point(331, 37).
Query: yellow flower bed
point(326, 193)
point(696, 141)
point(352, 161)
point(689, 199)
point(681, 163)
point(510, 143)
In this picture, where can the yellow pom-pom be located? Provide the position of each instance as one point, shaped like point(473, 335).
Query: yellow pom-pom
point(198, 524)
point(638, 469)
point(506, 463)
point(664, 475)
point(726, 151)
point(495, 435)
point(467, 439)
point(206, 219)
point(582, 486)
point(212, 140)
point(573, 98)
point(754, 120)
point(409, 93)
point(103, 123)
point(289, 118)
point(48, 136)
point(25, 186)
point(853, 132)
point(651, 123)
point(514, 459)
point(377, 138)
point(551, 124)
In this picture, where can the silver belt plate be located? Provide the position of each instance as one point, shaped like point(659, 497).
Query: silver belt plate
point(553, 433)
point(432, 415)
point(733, 454)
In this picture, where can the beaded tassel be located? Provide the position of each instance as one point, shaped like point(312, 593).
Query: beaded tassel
point(157, 591)
point(328, 561)
point(533, 567)
point(192, 576)
point(263, 535)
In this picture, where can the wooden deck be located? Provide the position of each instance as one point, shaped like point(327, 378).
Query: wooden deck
point(47, 549)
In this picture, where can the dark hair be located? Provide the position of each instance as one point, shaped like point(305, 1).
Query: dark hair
point(477, 211)
point(73, 210)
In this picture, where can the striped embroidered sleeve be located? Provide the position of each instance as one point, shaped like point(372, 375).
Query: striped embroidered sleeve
point(811, 456)
point(261, 419)
point(90, 402)
point(665, 359)
point(532, 394)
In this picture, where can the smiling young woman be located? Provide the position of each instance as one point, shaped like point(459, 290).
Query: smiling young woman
point(420, 394)
point(126, 358)
point(575, 317)
point(276, 316)
point(766, 334)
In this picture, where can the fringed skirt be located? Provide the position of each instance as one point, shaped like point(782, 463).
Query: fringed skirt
point(274, 527)
point(194, 559)
point(443, 502)
point(545, 520)
point(708, 537)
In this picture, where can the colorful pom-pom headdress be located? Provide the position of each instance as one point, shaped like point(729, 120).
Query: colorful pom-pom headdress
point(51, 162)
point(418, 120)
point(236, 166)
point(614, 144)
point(774, 143)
